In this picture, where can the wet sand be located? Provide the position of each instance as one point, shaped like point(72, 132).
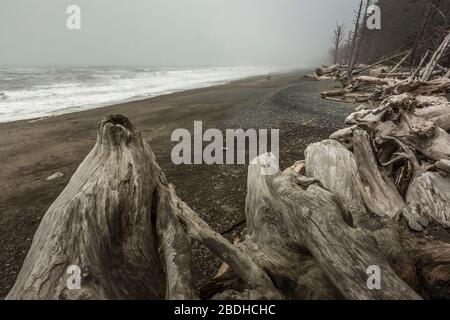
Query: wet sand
point(32, 151)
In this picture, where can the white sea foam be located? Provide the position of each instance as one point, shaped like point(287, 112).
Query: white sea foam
point(41, 92)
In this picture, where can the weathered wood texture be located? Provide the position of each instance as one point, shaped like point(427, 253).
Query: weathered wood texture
point(104, 222)
point(312, 231)
point(310, 217)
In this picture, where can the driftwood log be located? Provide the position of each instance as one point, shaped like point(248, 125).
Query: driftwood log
point(107, 222)
point(375, 82)
point(313, 231)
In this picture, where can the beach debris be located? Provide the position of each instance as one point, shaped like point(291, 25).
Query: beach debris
point(56, 175)
point(377, 81)
point(302, 224)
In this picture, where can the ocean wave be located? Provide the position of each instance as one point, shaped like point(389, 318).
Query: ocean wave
point(35, 93)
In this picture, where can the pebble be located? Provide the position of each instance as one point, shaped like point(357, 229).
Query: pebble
point(54, 176)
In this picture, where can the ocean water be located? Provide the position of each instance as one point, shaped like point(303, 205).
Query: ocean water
point(29, 93)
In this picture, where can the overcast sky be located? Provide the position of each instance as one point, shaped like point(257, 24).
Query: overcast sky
point(171, 32)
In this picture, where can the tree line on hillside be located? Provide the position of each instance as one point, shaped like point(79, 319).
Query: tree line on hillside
point(414, 27)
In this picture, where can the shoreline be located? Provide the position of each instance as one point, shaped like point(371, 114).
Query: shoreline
point(135, 99)
point(30, 152)
point(138, 98)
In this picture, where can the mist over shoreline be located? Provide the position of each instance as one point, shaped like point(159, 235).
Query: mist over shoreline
point(34, 92)
point(176, 33)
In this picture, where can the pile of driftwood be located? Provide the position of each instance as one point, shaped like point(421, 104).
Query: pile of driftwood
point(375, 82)
point(375, 196)
point(313, 231)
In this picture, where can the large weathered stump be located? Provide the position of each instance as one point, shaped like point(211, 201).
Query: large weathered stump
point(105, 222)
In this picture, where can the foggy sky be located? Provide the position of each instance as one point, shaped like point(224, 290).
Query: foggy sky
point(171, 32)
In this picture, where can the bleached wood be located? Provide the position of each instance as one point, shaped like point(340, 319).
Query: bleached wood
point(379, 192)
point(103, 222)
point(301, 213)
point(429, 198)
point(342, 179)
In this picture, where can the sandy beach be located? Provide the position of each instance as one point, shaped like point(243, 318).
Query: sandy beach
point(30, 151)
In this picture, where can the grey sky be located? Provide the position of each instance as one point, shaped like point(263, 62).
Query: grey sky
point(171, 32)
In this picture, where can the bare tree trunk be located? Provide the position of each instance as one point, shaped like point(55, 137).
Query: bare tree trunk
point(362, 32)
point(106, 222)
point(337, 40)
point(435, 59)
point(422, 29)
point(355, 37)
